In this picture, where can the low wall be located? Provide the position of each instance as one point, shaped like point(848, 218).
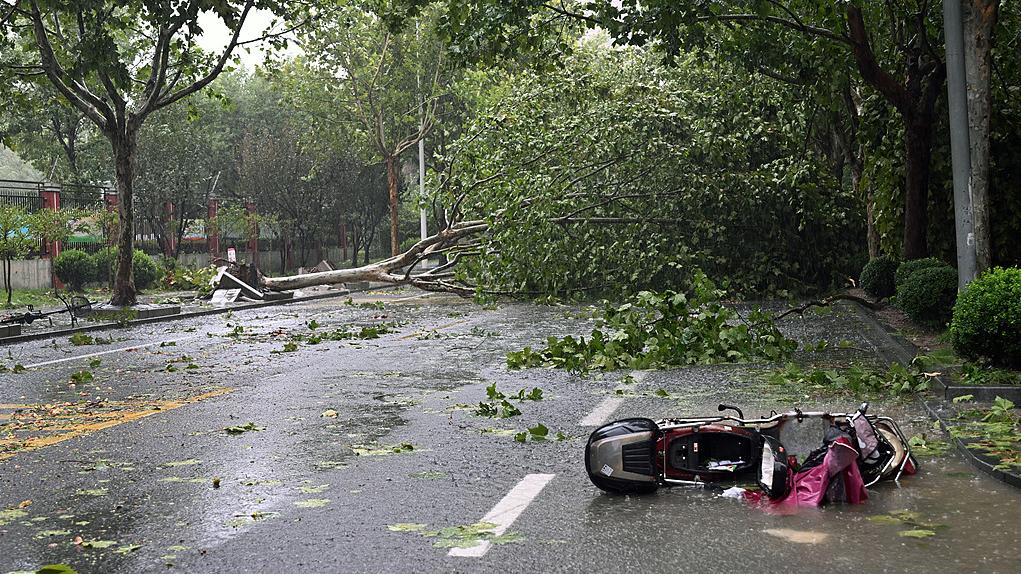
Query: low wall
point(30, 274)
point(37, 273)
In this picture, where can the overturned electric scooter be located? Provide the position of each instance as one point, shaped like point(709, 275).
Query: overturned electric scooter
point(639, 455)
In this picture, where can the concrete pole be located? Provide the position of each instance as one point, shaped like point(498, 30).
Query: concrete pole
point(960, 148)
point(423, 224)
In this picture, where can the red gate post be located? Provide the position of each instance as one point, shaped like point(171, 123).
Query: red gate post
point(169, 235)
point(253, 235)
point(50, 196)
point(212, 235)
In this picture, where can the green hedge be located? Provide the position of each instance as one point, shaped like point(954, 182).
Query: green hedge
point(143, 267)
point(75, 268)
point(987, 318)
point(908, 268)
point(877, 277)
point(144, 270)
point(928, 295)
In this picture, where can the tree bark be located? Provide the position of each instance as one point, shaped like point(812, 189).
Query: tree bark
point(917, 158)
point(391, 184)
point(124, 150)
point(394, 270)
point(980, 18)
point(915, 100)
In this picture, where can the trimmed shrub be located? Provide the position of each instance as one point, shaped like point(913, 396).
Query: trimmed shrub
point(144, 270)
point(877, 277)
point(106, 264)
point(987, 318)
point(908, 268)
point(143, 267)
point(928, 295)
point(75, 268)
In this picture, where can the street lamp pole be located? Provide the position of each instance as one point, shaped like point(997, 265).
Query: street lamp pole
point(423, 224)
point(960, 148)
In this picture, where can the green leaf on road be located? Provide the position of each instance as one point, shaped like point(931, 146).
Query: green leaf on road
point(189, 462)
point(98, 543)
point(916, 533)
point(406, 527)
point(312, 503)
point(93, 492)
point(240, 429)
point(55, 569)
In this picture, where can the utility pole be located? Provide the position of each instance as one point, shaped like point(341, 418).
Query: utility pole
point(423, 224)
point(960, 148)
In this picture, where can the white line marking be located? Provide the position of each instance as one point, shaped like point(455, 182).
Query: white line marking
point(100, 353)
point(602, 412)
point(507, 511)
point(609, 405)
point(411, 297)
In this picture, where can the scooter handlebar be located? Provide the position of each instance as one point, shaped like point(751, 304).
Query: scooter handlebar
point(724, 407)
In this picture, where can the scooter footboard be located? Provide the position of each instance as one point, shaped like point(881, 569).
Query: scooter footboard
point(620, 456)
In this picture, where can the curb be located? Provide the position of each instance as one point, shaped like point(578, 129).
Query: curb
point(904, 351)
point(189, 315)
point(969, 455)
point(896, 348)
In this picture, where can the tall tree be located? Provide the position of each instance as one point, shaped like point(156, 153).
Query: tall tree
point(119, 62)
point(386, 83)
point(894, 46)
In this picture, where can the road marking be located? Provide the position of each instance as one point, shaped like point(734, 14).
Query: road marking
point(507, 511)
point(605, 409)
point(602, 412)
point(102, 421)
point(420, 296)
point(101, 353)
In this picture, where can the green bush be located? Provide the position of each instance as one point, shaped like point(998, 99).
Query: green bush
point(877, 276)
point(144, 270)
point(106, 264)
point(987, 318)
point(908, 268)
point(928, 295)
point(75, 268)
point(143, 267)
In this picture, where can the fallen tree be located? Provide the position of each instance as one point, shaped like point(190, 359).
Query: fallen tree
point(399, 269)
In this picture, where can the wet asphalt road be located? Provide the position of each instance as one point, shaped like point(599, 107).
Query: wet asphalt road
point(142, 477)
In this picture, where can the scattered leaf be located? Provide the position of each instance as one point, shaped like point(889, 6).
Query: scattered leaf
point(312, 503)
point(189, 462)
point(406, 527)
point(93, 492)
point(916, 533)
point(98, 543)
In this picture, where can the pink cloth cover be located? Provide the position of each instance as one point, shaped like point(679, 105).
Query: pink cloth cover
point(809, 487)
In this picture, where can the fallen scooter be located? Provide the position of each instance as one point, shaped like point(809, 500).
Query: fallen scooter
point(640, 455)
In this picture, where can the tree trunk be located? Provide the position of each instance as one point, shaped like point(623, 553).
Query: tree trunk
point(391, 184)
point(354, 246)
point(917, 159)
point(7, 281)
point(124, 148)
point(979, 24)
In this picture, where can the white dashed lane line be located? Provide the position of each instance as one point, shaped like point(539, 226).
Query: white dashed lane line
point(101, 353)
point(507, 511)
point(605, 409)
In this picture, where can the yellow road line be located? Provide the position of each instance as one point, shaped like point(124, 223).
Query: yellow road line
point(122, 417)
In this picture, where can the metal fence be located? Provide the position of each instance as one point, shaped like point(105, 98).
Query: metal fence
point(24, 194)
point(87, 197)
